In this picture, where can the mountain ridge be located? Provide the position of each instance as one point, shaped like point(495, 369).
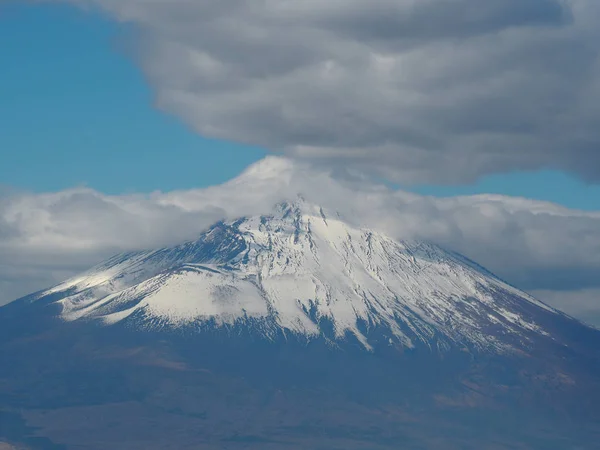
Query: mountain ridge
point(298, 267)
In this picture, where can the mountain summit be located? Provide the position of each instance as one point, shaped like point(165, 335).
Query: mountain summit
point(307, 272)
point(295, 330)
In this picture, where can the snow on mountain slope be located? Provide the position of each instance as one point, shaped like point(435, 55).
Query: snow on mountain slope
point(302, 268)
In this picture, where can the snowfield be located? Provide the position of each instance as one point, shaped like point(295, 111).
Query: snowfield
point(299, 270)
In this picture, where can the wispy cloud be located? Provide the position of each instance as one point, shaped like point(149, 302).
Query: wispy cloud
point(536, 245)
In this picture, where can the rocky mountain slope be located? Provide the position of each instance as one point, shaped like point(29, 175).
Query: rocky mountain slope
point(295, 330)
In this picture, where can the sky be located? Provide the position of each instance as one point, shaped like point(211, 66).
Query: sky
point(76, 112)
point(127, 111)
point(96, 125)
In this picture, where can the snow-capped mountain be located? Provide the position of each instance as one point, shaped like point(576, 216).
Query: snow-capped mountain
point(295, 330)
point(307, 272)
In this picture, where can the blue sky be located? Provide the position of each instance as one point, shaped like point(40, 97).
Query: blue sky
point(75, 110)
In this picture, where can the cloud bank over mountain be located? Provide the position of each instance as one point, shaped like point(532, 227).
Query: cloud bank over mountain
point(430, 91)
point(535, 245)
point(440, 91)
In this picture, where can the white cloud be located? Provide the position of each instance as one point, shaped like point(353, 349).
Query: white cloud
point(536, 245)
point(430, 90)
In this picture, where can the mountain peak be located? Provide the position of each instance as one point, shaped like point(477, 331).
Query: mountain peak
point(305, 271)
point(300, 206)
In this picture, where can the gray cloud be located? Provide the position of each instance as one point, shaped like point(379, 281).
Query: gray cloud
point(434, 90)
point(535, 245)
point(583, 303)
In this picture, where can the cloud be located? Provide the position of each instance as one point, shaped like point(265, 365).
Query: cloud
point(583, 304)
point(535, 245)
point(413, 91)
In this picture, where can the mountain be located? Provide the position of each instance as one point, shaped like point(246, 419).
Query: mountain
point(307, 273)
point(295, 330)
